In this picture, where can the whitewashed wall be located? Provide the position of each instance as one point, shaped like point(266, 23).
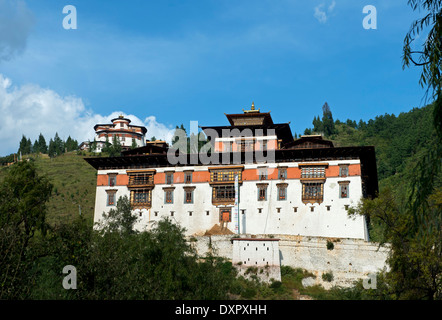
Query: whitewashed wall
point(256, 217)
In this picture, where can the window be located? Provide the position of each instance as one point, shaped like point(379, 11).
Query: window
point(111, 197)
point(188, 195)
point(228, 146)
point(262, 192)
point(225, 175)
point(262, 173)
point(187, 177)
point(169, 178)
point(282, 173)
point(140, 179)
point(343, 189)
point(141, 197)
point(264, 145)
point(313, 172)
point(312, 192)
point(223, 193)
point(282, 191)
point(245, 145)
point(112, 180)
point(343, 170)
point(121, 125)
point(168, 196)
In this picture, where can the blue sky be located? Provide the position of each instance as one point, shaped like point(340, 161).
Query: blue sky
point(170, 62)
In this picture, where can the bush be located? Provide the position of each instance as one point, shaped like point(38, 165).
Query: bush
point(330, 245)
point(328, 276)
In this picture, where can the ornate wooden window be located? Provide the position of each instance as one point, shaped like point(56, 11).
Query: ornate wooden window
point(223, 194)
point(312, 192)
point(225, 175)
point(141, 197)
point(309, 172)
point(141, 183)
point(140, 179)
point(312, 179)
point(222, 180)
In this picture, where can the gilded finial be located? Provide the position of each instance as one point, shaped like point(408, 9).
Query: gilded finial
point(252, 109)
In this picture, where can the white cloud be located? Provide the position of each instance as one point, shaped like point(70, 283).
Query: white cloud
point(322, 13)
point(30, 110)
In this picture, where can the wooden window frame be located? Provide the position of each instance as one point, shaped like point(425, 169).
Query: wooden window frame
point(135, 197)
point(168, 195)
point(343, 170)
point(223, 194)
point(262, 191)
point(112, 177)
point(282, 173)
point(344, 185)
point(111, 194)
point(188, 176)
point(169, 175)
point(309, 194)
point(187, 191)
point(282, 191)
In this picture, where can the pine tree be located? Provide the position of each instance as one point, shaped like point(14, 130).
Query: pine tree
point(43, 148)
point(327, 120)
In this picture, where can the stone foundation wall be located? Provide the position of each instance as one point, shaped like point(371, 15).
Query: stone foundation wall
point(346, 259)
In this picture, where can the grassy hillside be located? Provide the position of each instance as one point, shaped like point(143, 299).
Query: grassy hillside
point(74, 182)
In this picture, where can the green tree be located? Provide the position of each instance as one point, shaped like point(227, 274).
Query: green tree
point(25, 146)
point(43, 147)
point(415, 261)
point(328, 125)
point(71, 144)
point(119, 219)
point(23, 197)
point(134, 144)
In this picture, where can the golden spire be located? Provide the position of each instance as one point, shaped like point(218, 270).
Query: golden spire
point(252, 109)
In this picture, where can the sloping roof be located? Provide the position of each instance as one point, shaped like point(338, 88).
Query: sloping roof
point(267, 118)
point(311, 141)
